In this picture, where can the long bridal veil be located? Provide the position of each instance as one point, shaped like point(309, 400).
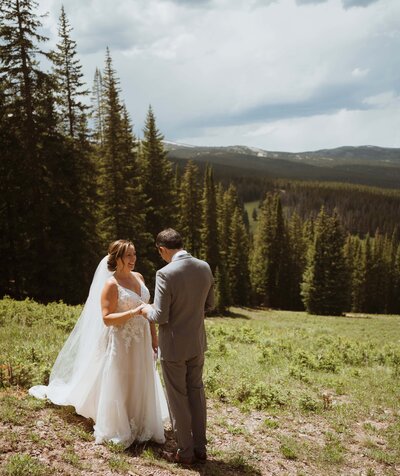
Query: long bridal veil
point(78, 362)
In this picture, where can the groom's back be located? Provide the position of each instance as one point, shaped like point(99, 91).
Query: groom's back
point(190, 286)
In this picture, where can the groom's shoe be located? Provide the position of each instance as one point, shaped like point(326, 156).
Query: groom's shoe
point(176, 458)
point(201, 456)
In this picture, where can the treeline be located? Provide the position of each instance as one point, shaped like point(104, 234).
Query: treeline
point(67, 189)
point(362, 209)
point(74, 178)
point(315, 264)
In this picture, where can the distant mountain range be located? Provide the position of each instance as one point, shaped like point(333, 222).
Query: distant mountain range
point(368, 165)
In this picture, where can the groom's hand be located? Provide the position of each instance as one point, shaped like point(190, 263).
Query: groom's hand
point(146, 310)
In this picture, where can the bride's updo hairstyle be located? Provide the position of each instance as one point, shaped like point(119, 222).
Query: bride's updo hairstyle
point(117, 250)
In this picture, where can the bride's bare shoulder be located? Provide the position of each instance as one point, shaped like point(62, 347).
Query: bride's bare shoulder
point(139, 276)
point(110, 285)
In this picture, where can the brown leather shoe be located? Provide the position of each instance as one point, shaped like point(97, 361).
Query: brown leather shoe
point(201, 456)
point(176, 458)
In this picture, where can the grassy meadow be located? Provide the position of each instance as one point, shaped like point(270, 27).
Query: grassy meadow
point(288, 394)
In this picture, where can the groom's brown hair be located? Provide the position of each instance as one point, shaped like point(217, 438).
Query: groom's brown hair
point(169, 238)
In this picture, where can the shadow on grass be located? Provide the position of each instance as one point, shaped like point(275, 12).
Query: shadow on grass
point(231, 465)
point(68, 414)
point(152, 453)
point(351, 315)
point(231, 315)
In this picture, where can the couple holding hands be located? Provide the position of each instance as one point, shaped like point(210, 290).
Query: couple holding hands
point(106, 368)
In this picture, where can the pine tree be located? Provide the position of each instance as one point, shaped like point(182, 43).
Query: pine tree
point(123, 200)
point(98, 108)
point(369, 278)
point(190, 208)
point(269, 264)
point(396, 282)
point(260, 253)
point(68, 74)
point(157, 178)
point(12, 246)
point(325, 284)
point(19, 49)
point(222, 294)
point(354, 253)
point(209, 230)
point(297, 257)
point(23, 84)
point(227, 202)
point(237, 261)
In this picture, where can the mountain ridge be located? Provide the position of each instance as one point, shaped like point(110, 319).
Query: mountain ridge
point(368, 164)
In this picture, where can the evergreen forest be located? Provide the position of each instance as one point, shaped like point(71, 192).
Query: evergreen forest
point(75, 176)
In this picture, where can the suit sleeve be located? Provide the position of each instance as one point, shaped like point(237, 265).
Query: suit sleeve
point(210, 301)
point(162, 301)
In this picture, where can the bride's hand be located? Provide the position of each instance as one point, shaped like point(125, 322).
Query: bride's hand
point(138, 310)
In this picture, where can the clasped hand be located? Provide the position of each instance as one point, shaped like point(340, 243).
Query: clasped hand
point(145, 310)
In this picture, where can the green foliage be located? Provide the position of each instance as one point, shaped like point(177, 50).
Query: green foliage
point(308, 403)
point(68, 75)
point(269, 264)
point(22, 465)
point(190, 208)
point(289, 448)
point(209, 231)
point(157, 177)
point(333, 450)
point(325, 286)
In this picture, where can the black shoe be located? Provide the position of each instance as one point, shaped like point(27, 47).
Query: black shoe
point(201, 456)
point(176, 458)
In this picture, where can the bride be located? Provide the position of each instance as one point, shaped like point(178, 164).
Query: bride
point(106, 368)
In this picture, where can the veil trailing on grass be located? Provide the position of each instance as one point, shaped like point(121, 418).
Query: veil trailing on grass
point(78, 362)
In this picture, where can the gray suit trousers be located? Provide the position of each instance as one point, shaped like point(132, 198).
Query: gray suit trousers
point(187, 403)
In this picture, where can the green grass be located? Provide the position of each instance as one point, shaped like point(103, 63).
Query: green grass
point(22, 465)
point(340, 373)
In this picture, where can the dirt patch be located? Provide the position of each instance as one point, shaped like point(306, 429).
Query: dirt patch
point(254, 444)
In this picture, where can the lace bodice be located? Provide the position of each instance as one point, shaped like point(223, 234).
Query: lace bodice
point(128, 299)
point(134, 329)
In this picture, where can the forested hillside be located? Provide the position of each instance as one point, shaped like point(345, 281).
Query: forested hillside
point(76, 177)
point(366, 165)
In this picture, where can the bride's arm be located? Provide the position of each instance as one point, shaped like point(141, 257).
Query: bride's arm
point(109, 301)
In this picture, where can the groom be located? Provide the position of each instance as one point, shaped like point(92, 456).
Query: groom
point(184, 291)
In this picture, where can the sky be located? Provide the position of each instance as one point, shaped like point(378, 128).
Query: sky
point(283, 75)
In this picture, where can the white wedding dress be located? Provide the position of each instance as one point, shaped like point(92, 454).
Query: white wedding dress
point(109, 374)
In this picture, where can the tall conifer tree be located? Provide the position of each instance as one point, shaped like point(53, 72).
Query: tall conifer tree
point(238, 265)
point(24, 86)
point(209, 230)
point(123, 200)
point(325, 286)
point(97, 110)
point(158, 184)
point(297, 257)
point(269, 265)
point(68, 73)
point(190, 208)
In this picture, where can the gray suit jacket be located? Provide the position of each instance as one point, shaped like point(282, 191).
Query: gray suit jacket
point(184, 291)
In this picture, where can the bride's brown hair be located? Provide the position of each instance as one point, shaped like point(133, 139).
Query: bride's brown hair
point(117, 250)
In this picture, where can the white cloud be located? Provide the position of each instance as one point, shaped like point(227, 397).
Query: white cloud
point(219, 60)
point(383, 100)
point(293, 135)
point(359, 72)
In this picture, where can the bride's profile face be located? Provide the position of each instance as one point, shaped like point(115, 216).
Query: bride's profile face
point(128, 260)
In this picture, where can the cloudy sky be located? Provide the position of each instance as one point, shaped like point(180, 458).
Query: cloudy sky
point(289, 75)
